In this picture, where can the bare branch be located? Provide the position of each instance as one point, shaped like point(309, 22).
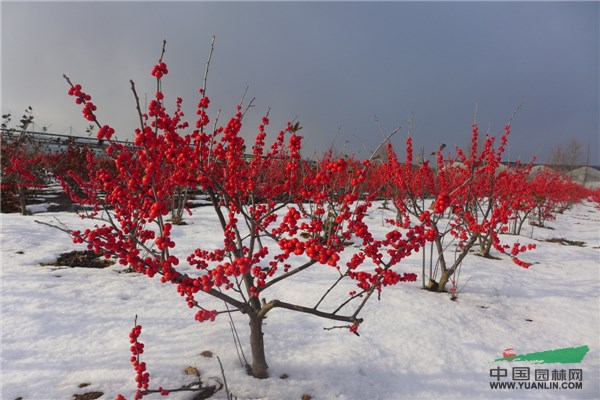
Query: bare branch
point(212, 47)
point(64, 228)
point(137, 103)
point(388, 137)
point(342, 276)
point(288, 274)
point(295, 307)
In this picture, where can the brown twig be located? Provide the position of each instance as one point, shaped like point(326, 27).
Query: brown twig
point(137, 104)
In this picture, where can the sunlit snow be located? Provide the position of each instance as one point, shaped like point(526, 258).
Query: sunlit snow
point(65, 326)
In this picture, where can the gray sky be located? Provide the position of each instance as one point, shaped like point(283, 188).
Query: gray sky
point(353, 67)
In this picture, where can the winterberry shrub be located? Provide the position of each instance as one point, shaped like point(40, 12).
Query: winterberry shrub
point(468, 207)
point(279, 215)
point(22, 167)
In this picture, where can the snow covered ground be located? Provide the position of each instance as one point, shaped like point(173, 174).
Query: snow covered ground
point(62, 327)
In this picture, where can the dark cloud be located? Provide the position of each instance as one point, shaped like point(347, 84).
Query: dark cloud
point(356, 68)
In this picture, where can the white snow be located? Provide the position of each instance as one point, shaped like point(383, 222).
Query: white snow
point(40, 208)
point(65, 326)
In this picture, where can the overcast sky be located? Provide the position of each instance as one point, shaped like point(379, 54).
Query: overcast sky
point(349, 71)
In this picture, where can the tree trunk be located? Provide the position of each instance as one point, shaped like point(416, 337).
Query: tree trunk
point(22, 200)
point(446, 273)
point(521, 222)
point(444, 278)
point(257, 345)
point(486, 246)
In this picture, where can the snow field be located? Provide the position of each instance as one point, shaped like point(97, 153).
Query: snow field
point(66, 326)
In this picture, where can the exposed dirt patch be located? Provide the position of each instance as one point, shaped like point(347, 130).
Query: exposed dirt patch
point(192, 371)
point(566, 242)
point(88, 396)
point(207, 354)
point(80, 259)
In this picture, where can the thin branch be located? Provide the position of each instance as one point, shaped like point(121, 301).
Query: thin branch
point(204, 391)
point(243, 307)
point(67, 230)
point(137, 103)
point(250, 105)
point(330, 289)
point(342, 305)
point(337, 327)
point(294, 307)
point(224, 378)
point(288, 274)
point(162, 52)
point(514, 114)
point(369, 293)
point(244, 94)
point(236, 341)
point(388, 137)
point(212, 47)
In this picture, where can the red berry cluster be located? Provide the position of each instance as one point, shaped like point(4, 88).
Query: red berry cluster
point(295, 144)
point(83, 98)
point(205, 315)
point(323, 255)
point(158, 208)
point(290, 221)
point(88, 111)
point(159, 70)
point(292, 246)
point(239, 266)
point(164, 241)
point(516, 249)
point(155, 108)
point(441, 203)
point(431, 234)
point(203, 103)
point(142, 377)
point(80, 96)
point(105, 132)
